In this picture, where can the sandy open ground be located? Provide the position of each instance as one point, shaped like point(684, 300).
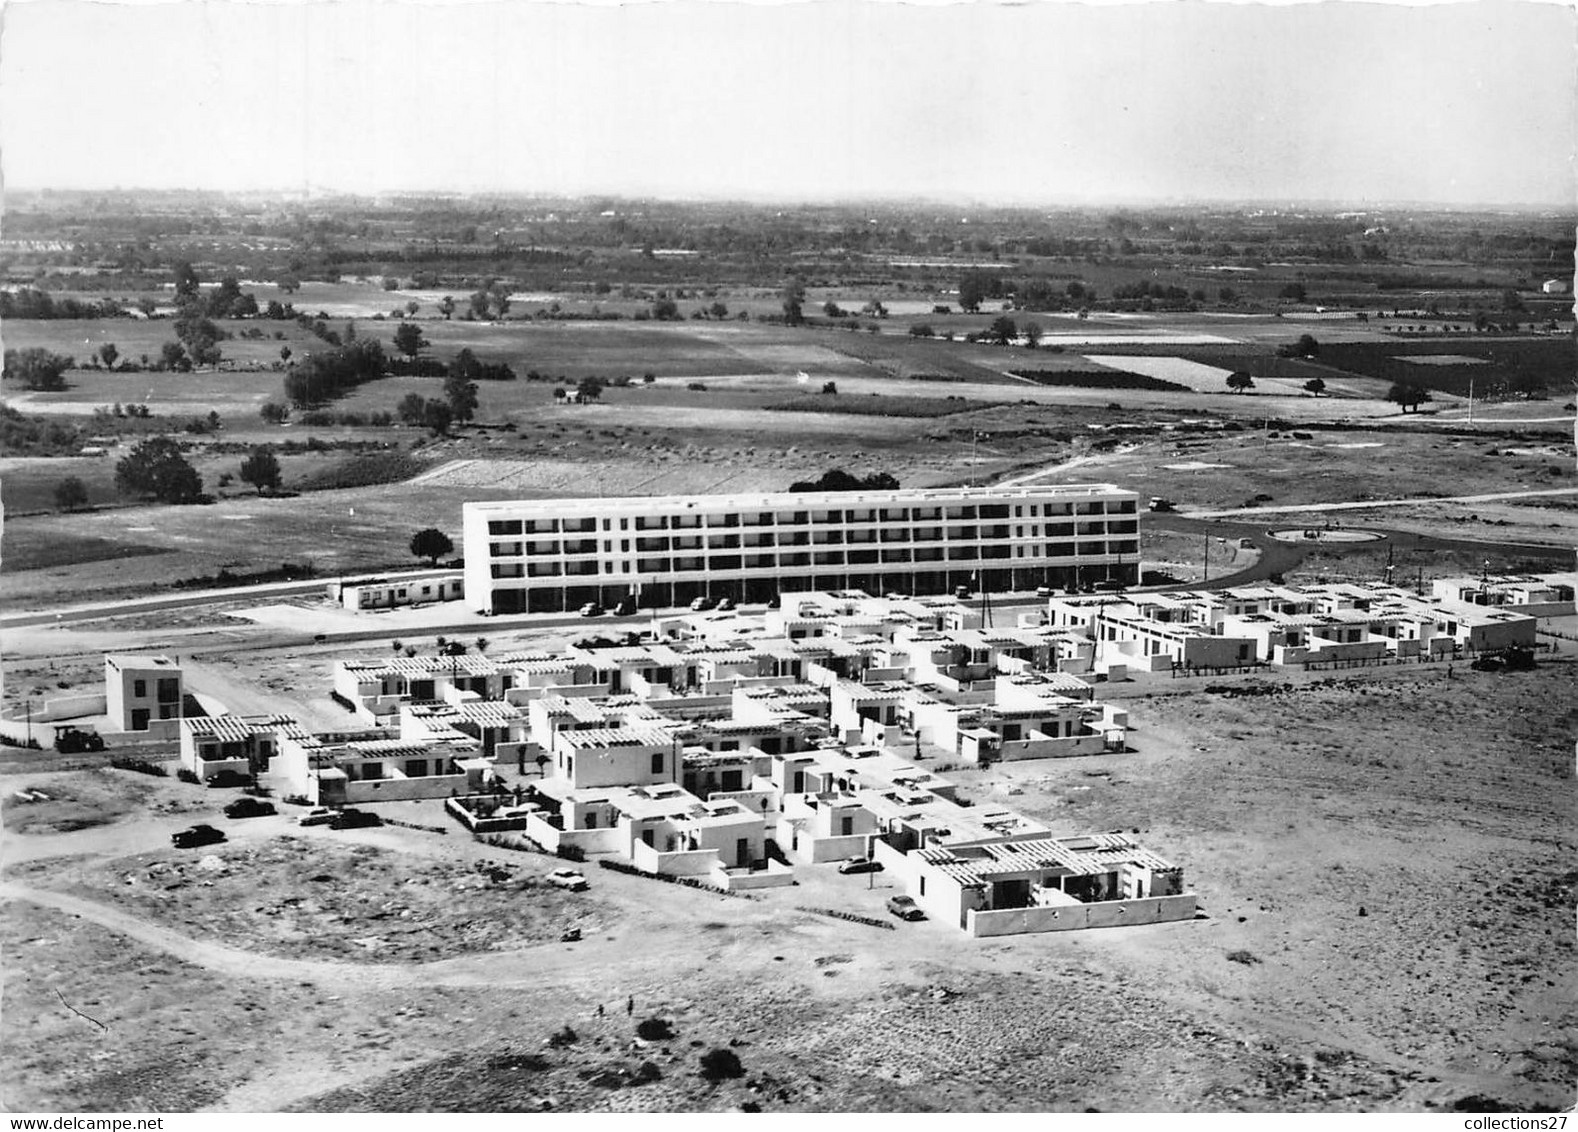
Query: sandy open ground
point(1387, 926)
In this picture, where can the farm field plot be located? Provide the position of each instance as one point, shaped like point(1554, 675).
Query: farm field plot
point(1193, 375)
point(133, 337)
point(530, 478)
point(1231, 470)
point(1495, 365)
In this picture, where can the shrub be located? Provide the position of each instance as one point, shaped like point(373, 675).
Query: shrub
point(720, 1064)
point(188, 776)
point(1247, 958)
point(654, 1030)
point(561, 1038)
point(141, 766)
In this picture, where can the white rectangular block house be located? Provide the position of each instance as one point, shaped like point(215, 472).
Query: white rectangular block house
point(552, 555)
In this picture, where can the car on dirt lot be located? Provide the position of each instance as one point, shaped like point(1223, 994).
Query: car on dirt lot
point(626, 608)
point(701, 604)
point(354, 819)
point(248, 807)
point(592, 609)
point(321, 816)
point(905, 908)
point(569, 879)
point(725, 604)
point(859, 865)
point(196, 837)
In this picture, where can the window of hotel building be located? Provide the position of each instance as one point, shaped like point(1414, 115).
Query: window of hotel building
point(657, 763)
point(504, 527)
point(139, 688)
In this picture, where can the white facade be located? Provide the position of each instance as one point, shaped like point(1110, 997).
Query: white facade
point(552, 555)
point(141, 692)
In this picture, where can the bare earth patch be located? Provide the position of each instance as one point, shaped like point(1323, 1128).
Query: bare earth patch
point(309, 898)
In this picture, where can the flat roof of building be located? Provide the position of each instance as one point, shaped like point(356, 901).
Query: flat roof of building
point(841, 500)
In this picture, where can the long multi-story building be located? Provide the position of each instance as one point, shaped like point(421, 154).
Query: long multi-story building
point(549, 555)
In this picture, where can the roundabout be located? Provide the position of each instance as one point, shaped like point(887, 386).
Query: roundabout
point(1325, 535)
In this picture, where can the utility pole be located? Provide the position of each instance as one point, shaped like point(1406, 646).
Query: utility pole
point(1207, 576)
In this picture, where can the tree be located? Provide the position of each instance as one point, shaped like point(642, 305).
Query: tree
point(719, 310)
point(37, 368)
point(830, 387)
point(480, 301)
point(1306, 346)
point(273, 412)
point(794, 301)
point(1293, 291)
point(432, 544)
point(411, 408)
point(1240, 381)
point(1227, 295)
point(70, 494)
point(1032, 332)
point(501, 302)
point(261, 470)
point(589, 389)
point(1315, 385)
point(437, 415)
point(284, 353)
point(461, 395)
point(411, 307)
point(173, 356)
point(108, 353)
point(1002, 331)
point(446, 306)
point(185, 280)
point(1408, 395)
point(665, 310)
point(408, 339)
point(922, 330)
point(156, 469)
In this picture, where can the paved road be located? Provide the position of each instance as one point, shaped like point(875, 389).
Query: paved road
point(125, 607)
point(1301, 508)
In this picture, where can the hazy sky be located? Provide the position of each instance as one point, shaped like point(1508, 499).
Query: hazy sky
point(1472, 102)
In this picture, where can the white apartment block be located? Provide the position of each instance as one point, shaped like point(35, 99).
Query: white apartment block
point(552, 555)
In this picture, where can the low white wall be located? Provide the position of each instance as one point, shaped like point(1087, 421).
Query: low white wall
point(1107, 914)
point(404, 789)
point(1050, 748)
point(68, 707)
point(686, 863)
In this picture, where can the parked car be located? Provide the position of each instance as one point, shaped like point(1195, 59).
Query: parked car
point(725, 604)
point(1045, 591)
point(197, 836)
point(905, 908)
point(592, 609)
point(963, 593)
point(354, 819)
point(568, 878)
point(701, 604)
point(249, 807)
point(859, 865)
point(320, 816)
point(74, 740)
point(626, 608)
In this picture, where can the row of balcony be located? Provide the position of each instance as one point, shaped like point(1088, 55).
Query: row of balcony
point(874, 556)
point(674, 543)
point(860, 515)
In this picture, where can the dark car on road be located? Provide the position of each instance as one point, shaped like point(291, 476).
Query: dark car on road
point(859, 865)
point(355, 819)
point(198, 835)
point(905, 908)
point(249, 807)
